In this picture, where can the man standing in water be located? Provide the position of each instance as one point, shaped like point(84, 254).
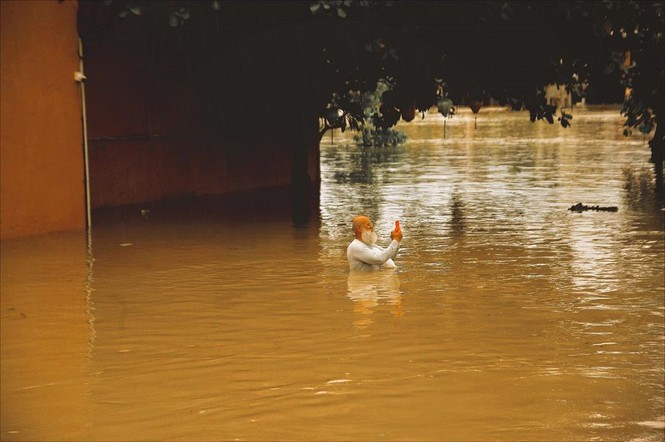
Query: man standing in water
point(364, 254)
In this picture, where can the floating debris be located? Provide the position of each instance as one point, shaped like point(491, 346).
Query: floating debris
point(579, 207)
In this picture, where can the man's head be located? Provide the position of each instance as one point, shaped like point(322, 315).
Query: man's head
point(363, 229)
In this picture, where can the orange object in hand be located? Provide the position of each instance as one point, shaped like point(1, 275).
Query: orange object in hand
point(397, 227)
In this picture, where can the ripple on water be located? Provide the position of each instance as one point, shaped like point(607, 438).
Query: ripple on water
point(508, 318)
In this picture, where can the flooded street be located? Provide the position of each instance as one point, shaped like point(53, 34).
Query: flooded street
point(508, 318)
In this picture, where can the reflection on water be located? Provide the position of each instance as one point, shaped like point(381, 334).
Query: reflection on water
point(367, 290)
point(509, 317)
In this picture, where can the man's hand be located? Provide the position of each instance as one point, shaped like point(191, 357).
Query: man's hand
point(396, 235)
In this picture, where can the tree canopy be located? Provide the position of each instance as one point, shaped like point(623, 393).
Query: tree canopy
point(296, 60)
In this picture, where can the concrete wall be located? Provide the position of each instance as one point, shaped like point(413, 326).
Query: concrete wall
point(41, 156)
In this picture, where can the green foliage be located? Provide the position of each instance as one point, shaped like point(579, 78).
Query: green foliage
point(336, 7)
point(504, 50)
point(360, 111)
point(638, 116)
point(445, 107)
point(176, 13)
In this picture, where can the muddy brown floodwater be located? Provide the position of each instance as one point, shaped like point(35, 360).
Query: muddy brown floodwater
point(509, 316)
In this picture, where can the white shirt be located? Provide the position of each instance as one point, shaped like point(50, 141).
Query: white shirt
point(364, 257)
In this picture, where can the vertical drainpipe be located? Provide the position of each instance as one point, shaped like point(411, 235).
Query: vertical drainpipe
point(80, 78)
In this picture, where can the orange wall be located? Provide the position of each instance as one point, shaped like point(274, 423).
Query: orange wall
point(41, 156)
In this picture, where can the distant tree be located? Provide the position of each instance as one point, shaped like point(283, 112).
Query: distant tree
point(296, 63)
point(623, 41)
point(509, 50)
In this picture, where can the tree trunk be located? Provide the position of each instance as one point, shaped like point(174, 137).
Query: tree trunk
point(657, 145)
point(305, 186)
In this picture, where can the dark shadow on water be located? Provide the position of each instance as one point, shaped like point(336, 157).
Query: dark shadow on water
point(274, 204)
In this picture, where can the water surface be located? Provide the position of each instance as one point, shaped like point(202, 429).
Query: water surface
point(509, 317)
